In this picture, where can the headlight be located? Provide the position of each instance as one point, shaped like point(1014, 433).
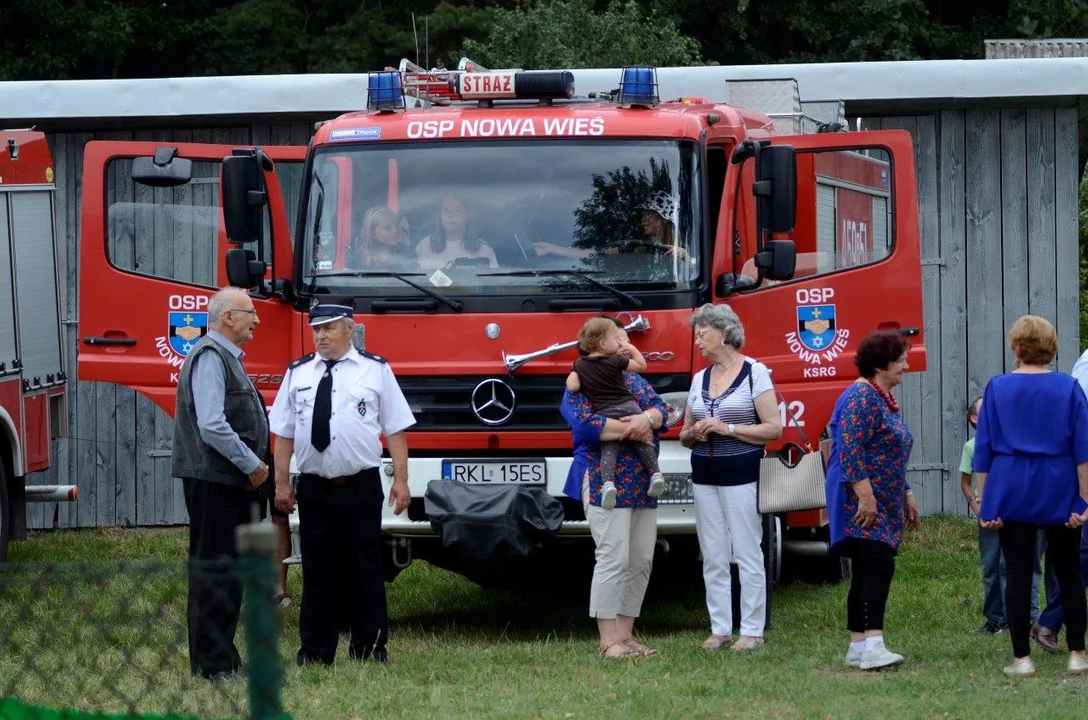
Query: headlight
point(677, 403)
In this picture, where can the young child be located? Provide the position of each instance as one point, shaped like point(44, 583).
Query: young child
point(989, 549)
point(599, 376)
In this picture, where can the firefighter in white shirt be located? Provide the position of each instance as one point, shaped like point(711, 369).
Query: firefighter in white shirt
point(329, 412)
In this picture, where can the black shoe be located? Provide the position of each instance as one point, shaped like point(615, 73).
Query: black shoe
point(304, 660)
point(223, 676)
point(990, 628)
point(378, 654)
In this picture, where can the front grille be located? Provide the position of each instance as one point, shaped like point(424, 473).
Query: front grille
point(444, 402)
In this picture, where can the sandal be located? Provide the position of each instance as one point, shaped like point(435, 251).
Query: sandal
point(639, 648)
point(285, 600)
point(618, 650)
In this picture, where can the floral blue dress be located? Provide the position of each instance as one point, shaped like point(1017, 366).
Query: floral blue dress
point(868, 441)
point(632, 479)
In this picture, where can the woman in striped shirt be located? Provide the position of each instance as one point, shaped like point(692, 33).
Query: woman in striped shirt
point(731, 414)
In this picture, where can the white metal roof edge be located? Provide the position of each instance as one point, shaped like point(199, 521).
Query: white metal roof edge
point(335, 93)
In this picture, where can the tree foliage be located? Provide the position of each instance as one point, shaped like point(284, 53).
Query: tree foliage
point(572, 34)
point(58, 39)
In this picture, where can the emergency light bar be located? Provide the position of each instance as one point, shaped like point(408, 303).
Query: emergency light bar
point(501, 85)
point(384, 91)
point(638, 86)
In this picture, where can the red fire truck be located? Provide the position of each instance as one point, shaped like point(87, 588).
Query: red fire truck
point(33, 387)
point(545, 190)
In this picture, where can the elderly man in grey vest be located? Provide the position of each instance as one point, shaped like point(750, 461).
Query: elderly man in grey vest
point(219, 452)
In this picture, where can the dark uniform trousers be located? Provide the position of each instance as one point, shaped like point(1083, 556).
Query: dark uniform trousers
point(215, 585)
point(340, 527)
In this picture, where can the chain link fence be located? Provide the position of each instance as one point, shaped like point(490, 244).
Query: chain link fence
point(110, 640)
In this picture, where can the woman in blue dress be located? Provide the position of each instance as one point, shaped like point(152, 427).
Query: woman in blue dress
point(868, 497)
point(1031, 461)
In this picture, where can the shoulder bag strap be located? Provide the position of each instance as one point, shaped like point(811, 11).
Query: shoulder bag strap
point(789, 413)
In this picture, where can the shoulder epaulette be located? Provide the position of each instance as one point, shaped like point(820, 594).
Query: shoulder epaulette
point(372, 356)
point(304, 359)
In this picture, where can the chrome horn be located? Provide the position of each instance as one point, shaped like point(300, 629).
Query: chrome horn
point(513, 362)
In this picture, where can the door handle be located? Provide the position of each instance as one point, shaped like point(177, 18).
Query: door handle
point(894, 327)
point(99, 340)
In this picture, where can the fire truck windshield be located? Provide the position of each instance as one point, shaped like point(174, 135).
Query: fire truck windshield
point(506, 217)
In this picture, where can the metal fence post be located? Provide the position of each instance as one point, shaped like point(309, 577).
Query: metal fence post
point(257, 548)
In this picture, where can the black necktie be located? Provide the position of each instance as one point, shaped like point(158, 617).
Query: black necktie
point(321, 435)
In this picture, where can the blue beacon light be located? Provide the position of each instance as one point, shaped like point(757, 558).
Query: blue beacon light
point(638, 86)
point(384, 91)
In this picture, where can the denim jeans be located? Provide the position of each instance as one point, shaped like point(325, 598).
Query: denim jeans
point(993, 577)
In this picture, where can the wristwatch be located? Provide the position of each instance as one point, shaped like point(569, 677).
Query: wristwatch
point(731, 428)
point(650, 419)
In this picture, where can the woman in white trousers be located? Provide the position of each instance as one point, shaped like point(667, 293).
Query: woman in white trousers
point(731, 414)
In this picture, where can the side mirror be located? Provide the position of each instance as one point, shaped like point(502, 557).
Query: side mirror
point(777, 259)
point(244, 270)
point(164, 169)
point(244, 195)
point(776, 188)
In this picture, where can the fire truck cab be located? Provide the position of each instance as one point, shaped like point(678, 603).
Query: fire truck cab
point(475, 219)
point(33, 384)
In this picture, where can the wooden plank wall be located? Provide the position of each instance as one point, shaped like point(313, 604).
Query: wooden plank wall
point(997, 195)
point(997, 192)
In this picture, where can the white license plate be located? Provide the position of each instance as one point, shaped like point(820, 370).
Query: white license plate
point(498, 472)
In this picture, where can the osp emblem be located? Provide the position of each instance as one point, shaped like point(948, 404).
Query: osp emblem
point(493, 402)
point(816, 326)
point(186, 328)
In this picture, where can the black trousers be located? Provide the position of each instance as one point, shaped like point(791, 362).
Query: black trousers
point(1062, 554)
point(872, 567)
point(215, 584)
point(340, 526)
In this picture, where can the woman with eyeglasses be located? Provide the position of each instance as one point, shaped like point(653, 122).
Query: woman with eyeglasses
point(731, 414)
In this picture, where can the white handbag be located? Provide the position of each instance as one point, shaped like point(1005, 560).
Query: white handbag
point(792, 478)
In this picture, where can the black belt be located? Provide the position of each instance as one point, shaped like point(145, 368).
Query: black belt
point(368, 474)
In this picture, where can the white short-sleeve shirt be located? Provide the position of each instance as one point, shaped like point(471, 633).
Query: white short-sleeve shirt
point(366, 403)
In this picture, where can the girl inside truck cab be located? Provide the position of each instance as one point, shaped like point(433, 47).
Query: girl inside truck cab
point(455, 238)
point(381, 244)
point(658, 216)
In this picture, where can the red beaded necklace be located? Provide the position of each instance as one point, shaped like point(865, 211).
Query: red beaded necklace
point(884, 394)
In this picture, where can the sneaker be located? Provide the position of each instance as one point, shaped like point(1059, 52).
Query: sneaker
point(1023, 667)
point(1077, 665)
point(879, 657)
point(608, 496)
point(990, 628)
point(853, 658)
point(657, 485)
point(1044, 637)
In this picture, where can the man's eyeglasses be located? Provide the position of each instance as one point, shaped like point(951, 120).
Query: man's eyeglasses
point(243, 310)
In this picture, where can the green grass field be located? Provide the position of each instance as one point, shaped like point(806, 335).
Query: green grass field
point(460, 651)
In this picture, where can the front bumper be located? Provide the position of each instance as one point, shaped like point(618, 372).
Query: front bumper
point(676, 512)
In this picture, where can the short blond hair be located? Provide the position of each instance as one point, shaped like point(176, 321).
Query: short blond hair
point(594, 332)
point(1033, 340)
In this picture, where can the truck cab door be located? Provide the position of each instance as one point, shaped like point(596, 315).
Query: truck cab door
point(857, 267)
point(152, 253)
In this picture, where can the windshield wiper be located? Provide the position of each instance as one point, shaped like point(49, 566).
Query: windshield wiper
point(586, 275)
point(455, 305)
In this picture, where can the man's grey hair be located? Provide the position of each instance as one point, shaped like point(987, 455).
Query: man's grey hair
point(222, 300)
point(722, 318)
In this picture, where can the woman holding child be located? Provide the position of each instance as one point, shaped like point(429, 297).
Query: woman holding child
point(625, 535)
point(731, 414)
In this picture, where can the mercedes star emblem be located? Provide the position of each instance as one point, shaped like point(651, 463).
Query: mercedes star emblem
point(493, 402)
